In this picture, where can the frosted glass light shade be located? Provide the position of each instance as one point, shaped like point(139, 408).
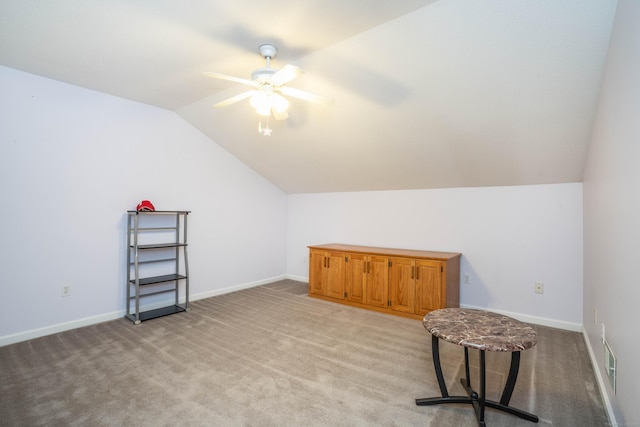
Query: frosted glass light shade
point(264, 101)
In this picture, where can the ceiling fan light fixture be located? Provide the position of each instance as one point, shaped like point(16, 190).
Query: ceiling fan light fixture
point(279, 103)
point(260, 101)
point(263, 102)
point(268, 83)
point(263, 111)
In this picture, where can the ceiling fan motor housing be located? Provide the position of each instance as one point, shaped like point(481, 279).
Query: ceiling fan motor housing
point(268, 51)
point(262, 75)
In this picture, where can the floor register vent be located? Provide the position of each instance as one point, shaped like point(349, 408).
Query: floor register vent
point(610, 365)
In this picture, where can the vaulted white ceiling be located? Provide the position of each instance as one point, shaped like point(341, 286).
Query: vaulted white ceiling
point(428, 94)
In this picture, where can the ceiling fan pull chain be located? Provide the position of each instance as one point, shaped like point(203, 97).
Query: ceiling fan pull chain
point(266, 131)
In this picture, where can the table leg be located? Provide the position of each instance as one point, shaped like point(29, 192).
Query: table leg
point(435, 351)
point(483, 386)
point(479, 402)
point(466, 368)
point(511, 379)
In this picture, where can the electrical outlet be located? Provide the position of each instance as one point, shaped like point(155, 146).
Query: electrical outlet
point(65, 291)
point(539, 288)
point(467, 279)
point(603, 336)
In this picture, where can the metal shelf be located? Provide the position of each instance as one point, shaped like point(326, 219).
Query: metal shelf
point(172, 237)
point(154, 314)
point(159, 246)
point(158, 279)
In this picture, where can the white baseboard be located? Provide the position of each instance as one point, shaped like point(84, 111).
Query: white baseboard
point(543, 321)
point(601, 384)
point(298, 278)
point(216, 292)
point(60, 327)
point(92, 320)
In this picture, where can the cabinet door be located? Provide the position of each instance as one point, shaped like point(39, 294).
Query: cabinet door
point(376, 288)
point(429, 295)
point(317, 265)
point(402, 287)
point(356, 274)
point(335, 274)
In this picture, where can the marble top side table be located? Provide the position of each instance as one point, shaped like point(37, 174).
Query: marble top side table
point(484, 331)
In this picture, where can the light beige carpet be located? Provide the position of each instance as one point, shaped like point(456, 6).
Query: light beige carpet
point(271, 356)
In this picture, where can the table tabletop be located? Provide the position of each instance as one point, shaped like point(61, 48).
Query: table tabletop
point(479, 329)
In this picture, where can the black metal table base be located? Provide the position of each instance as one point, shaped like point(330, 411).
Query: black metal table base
point(478, 401)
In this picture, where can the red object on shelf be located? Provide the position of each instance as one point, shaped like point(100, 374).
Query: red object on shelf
point(145, 206)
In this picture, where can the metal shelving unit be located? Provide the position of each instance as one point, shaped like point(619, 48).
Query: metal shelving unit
point(157, 263)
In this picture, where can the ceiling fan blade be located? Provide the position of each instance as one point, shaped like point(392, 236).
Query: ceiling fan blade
point(285, 74)
point(279, 115)
point(234, 99)
point(307, 96)
point(230, 78)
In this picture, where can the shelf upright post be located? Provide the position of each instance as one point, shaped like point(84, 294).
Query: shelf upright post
point(177, 255)
point(136, 265)
point(186, 262)
point(128, 264)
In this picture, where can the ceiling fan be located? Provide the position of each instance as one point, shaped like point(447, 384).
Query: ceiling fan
point(268, 83)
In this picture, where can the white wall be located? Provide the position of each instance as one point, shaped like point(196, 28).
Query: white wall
point(73, 161)
point(510, 238)
point(611, 217)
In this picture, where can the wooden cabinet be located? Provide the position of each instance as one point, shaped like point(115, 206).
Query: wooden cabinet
point(429, 286)
point(402, 288)
point(366, 280)
point(356, 277)
point(326, 273)
point(377, 283)
point(404, 282)
point(317, 274)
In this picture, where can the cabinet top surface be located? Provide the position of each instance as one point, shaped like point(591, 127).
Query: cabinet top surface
point(387, 251)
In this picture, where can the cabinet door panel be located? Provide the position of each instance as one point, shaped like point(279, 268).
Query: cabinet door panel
point(355, 277)
point(317, 263)
point(402, 284)
point(429, 286)
point(335, 275)
point(377, 281)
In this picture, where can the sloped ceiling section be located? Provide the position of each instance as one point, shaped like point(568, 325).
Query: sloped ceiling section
point(428, 94)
